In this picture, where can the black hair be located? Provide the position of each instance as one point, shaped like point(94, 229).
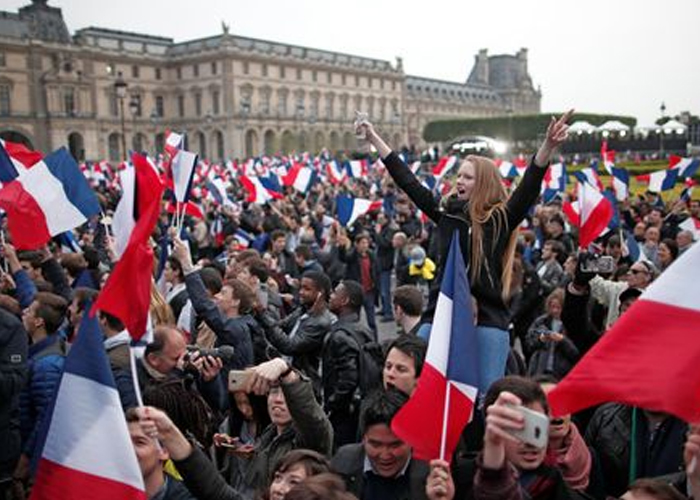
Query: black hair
point(355, 294)
point(112, 321)
point(413, 347)
point(303, 251)
point(258, 268)
point(321, 280)
point(212, 280)
point(382, 405)
point(527, 389)
point(52, 309)
point(176, 266)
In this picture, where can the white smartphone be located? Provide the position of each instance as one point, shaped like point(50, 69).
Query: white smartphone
point(237, 380)
point(536, 430)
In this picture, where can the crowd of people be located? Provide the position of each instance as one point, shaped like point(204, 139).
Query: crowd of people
point(266, 376)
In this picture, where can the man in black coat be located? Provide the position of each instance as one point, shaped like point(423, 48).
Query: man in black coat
point(13, 370)
point(363, 267)
point(381, 467)
point(385, 230)
point(341, 363)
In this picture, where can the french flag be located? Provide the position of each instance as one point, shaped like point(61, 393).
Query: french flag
point(257, 192)
point(661, 372)
point(693, 225)
point(687, 167)
point(42, 197)
point(591, 213)
point(443, 166)
point(357, 169)
point(86, 447)
point(443, 402)
point(336, 175)
point(132, 275)
point(300, 177)
point(620, 181)
point(663, 180)
point(507, 169)
point(348, 208)
point(217, 190)
point(555, 178)
point(608, 157)
point(589, 175)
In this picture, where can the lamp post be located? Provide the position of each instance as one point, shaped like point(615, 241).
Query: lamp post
point(154, 118)
point(134, 110)
point(662, 108)
point(120, 87)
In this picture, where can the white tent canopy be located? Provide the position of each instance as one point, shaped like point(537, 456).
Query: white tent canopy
point(613, 126)
point(674, 126)
point(581, 126)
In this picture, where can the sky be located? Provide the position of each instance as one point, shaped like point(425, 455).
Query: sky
point(600, 56)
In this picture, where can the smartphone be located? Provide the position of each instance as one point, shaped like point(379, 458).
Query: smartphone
point(237, 380)
point(536, 430)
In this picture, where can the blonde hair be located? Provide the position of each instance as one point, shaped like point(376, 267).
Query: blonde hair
point(488, 199)
point(161, 313)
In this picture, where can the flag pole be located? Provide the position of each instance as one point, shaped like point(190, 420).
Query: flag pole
point(443, 437)
point(5, 265)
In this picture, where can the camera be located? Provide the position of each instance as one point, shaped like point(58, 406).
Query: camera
point(603, 264)
point(224, 353)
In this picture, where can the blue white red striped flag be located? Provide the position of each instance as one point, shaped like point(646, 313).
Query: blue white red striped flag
point(443, 402)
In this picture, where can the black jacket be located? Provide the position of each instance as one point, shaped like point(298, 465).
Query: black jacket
point(229, 331)
point(341, 362)
point(610, 433)
point(385, 250)
point(305, 345)
point(203, 480)
point(349, 462)
point(487, 287)
point(353, 271)
point(13, 371)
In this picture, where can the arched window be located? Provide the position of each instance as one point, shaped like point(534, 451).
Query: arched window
point(76, 146)
point(114, 147)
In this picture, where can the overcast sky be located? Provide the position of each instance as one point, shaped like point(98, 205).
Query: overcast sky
point(616, 56)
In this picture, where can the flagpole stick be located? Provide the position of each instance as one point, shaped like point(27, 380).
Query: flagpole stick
point(443, 437)
point(135, 376)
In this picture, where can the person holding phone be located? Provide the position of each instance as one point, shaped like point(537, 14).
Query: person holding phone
point(516, 407)
point(487, 220)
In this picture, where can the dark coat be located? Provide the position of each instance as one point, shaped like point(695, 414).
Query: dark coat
point(310, 429)
point(555, 358)
point(203, 480)
point(353, 269)
point(306, 344)
point(487, 287)
point(46, 360)
point(341, 362)
point(385, 250)
point(13, 372)
point(229, 331)
point(349, 462)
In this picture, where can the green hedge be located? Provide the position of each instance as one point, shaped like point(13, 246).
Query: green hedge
point(516, 127)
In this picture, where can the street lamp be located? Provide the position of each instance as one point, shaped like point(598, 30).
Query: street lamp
point(662, 108)
point(120, 91)
point(134, 109)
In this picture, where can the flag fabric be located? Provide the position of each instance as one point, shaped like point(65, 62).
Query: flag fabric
point(257, 192)
point(687, 193)
point(506, 168)
point(687, 167)
point(608, 157)
point(42, 197)
point(554, 182)
point(336, 175)
point(649, 358)
point(589, 175)
point(348, 208)
point(630, 247)
point(182, 168)
point(86, 447)
point(620, 180)
point(663, 180)
point(443, 166)
point(300, 177)
point(357, 169)
point(190, 208)
point(693, 225)
point(127, 293)
point(591, 213)
point(443, 401)
point(124, 218)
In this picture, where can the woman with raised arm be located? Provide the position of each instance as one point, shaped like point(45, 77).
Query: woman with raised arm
point(487, 219)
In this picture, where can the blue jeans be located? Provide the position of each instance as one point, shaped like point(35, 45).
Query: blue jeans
point(494, 345)
point(385, 293)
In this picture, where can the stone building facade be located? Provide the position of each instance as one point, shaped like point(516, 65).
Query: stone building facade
point(233, 96)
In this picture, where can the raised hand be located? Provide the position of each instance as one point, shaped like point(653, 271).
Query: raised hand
point(557, 133)
point(439, 484)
